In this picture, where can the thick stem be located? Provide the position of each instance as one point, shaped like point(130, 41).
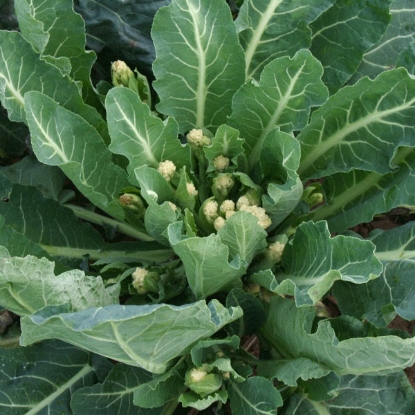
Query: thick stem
point(98, 219)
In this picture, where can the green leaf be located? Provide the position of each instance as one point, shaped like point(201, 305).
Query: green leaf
point(193, 400)
point(282, 98)
point(159, 390)
point(380, 300)
point(143, 138)
point(391, 394)
point(313, 261)
point(115, 395)
point(244, 237)
point(59, 37)
point(206, 262)
point(395, 244)
point(357, 196)
point(255, 396)
point(116, 331)
point(62, 138)
point(289, 330)
point(154, 187)
point(42, 378)
point(347, 29)
point(277, 165)
point(360, 127)
point(225, 143)
point(271, 29)
point(199, 63)
point(398, 38)
point(30, 172)
point(23, 70)
point(29, 284)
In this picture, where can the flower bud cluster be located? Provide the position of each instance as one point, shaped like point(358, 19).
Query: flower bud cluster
point(166, 169)
point(221, 163)
point(196, 138)
point(145, 281)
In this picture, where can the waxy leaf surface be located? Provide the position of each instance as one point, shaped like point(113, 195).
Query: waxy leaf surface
point(148, 336)
point(64, 139)
point(199, 64)
point(360, 127)
point(269, 29)
point(42, 379)
point(347, 29)
point(313, 261)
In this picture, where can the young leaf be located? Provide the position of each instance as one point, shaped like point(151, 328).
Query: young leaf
point(115, 395)
point(313, 261)
point(347, 29)
point(244, 237)
point(398, 38)
point(360, 127)
point(117, 331)
point(289, 330)
point(29, 284)
point(62, 138)
point(206, 261)
point(271, 29)
point(357, 196)
point(199, 63)
point(282, 98)
point(193, 400)
point(256, 395)
point(143, 138)
point(42, 378)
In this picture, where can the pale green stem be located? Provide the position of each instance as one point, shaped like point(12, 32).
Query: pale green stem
point(101, 220)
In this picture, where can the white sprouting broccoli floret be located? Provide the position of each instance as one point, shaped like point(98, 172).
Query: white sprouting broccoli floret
point(221, 163)
point(138, 279)
point(223, 184)
point(166, 169)
point(241, 202)
point(191, 189)
point(219, 223)
point(229, 213)
point(210, 210)
point(121, 73)
point(196, 138)
point(227, 206)
point(172, 205)
point(263, 219)
point(275, 250)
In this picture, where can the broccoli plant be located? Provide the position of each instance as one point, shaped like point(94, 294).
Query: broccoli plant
point(175, 235)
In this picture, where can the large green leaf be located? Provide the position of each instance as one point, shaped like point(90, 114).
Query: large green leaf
point(374, 395)
point(269, 29)
point(199, 64)
point(141, 137)
point(360, 127)
point(58, 34)
point(209, 267)
point(282, 98)
point(29, 284)
point(347, 29)
point(64, 139)
point(380, 300)
point(357, 196)
point(313, 261)
point(22, 70)
point(290, 331)
point(115, 395)
point(398, 39)
point(148, 336)
point(42, 378)
point(256, 395)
